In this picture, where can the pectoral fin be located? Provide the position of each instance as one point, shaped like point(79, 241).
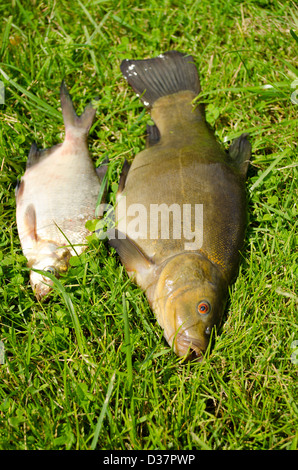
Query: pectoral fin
point(240, 153)
point(131, 256)
point(30, 222)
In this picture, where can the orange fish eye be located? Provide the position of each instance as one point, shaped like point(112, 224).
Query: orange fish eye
point(204, 307)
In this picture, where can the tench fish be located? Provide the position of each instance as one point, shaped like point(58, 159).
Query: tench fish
point(181, 205)
point(56, 196)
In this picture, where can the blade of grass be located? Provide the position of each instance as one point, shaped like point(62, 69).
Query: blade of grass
point(127, 343)
point(102, 189)
point(129, 26)
point(268, 170)
point(91, 51)
point(103, 412)
point(5, 37)
point(70, 308)
point(97, 27)
point(37, 101)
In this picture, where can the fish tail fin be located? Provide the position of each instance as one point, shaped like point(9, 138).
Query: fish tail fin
point(71, 119)
point(166, 74)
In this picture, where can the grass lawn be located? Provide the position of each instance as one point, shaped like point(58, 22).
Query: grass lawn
point(90, 369)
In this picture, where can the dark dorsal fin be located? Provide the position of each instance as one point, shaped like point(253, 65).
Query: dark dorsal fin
point(34, 155)
point(240, 153)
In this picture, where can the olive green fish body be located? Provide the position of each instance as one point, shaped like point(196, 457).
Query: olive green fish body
point(182, 168)
point(189, 167)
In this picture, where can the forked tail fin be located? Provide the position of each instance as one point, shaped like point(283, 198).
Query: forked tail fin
point(81, 123)
point(164, 75)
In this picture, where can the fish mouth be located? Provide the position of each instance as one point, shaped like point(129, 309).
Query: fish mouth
point(41, 291)
point(192, 348)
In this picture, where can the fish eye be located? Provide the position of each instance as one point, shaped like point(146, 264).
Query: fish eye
point(50, 269)
point(203, 307)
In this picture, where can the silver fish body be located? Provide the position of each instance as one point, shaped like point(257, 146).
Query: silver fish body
point(56, 196)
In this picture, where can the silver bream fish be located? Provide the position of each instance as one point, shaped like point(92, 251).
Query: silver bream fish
point(56, 196)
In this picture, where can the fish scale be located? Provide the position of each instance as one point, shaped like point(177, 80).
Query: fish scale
point(60, 205)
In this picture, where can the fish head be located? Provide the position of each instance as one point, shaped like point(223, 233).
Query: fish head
point(190, 316)
point(190, 302)
point(52, 259)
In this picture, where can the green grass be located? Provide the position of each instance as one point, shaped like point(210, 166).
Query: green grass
point(90, 369)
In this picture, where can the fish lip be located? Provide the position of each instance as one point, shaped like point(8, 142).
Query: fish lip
point(191, 347)
point(41, 292)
